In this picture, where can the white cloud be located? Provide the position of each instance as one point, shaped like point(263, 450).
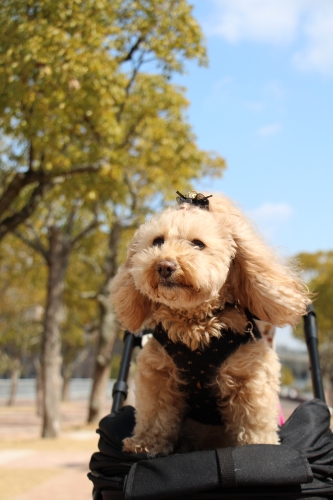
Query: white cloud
point(280, 22)
point(270, 217)
point(318, 53)
point(269, 211)
point(270, 130)
point(261, 20)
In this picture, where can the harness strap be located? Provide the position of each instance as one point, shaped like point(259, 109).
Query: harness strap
point(198, 367)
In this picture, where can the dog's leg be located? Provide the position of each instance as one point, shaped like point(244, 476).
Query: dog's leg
point(159, 405)
point(248, 385)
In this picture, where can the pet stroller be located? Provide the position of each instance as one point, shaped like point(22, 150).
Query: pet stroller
point(300, 467)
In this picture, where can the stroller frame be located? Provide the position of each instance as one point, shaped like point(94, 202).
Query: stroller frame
point(120, 388)
point(315, 414)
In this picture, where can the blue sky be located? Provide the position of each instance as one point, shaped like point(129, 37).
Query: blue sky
point(266, 104)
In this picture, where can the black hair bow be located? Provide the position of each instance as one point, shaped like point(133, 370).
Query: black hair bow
point(194, 198)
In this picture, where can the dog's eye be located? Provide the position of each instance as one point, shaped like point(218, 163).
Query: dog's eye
point(198, 243)
point(158, 242)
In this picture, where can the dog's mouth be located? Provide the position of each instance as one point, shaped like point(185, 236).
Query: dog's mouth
point(173, 285)
point(169, 283)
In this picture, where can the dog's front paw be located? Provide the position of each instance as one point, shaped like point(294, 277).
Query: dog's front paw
point(134, 445)
point(131, 445)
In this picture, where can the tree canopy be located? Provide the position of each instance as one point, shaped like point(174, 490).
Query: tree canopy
point(318, 269)
point(86, 86)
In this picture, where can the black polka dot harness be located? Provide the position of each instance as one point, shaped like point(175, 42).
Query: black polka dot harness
point(198, 367)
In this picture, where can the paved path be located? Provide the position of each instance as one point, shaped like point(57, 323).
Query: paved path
point(39, 469)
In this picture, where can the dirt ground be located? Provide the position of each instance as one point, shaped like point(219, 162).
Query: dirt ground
point(37, 469)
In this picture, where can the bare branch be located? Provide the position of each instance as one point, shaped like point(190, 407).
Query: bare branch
point(131, 132)
point(92, 128)
point(23, 179)
point(92, 263)
point(31, 227)
point(88, 295)
point(34, 244)
point(133, 194)
point(31, 157)
point(20, 181)
point(70, 222)
point(84, 232)
point(79, 170)
point(133, 49)
point(9, 224)
point(129, 85)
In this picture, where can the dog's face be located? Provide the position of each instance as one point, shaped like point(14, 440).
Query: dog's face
point(181, 257)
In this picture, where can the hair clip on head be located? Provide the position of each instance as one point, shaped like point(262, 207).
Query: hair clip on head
point(194, 198)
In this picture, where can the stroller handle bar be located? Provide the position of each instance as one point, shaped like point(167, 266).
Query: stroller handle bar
point(311, 337)
point(120, 388)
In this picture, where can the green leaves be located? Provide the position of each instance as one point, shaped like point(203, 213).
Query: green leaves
point(318, 274)
point(74, 95)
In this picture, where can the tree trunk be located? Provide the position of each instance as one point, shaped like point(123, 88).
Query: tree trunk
point(68, 368)
point(107, 335)
point(15, 375)
point(108, 332)
point(39, 387)
point(65, 386)
point(58, 258)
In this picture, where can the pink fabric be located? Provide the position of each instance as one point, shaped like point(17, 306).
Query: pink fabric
point(281, 419)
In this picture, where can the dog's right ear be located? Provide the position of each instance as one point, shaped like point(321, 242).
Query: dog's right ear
point(131, 307)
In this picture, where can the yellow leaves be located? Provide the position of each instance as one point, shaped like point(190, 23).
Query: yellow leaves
point(318, 274)
point(23, 278)
point(92, 195)
point(69, 93)
point(105, 169)
point(74, 84)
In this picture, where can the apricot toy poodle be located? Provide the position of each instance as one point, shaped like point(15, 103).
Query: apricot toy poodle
point(199, 274)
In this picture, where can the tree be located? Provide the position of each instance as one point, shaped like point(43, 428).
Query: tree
point(287, 376)
point(88, 111)
point(60, 232)
point(319, 277)
point(65, 78)
point(79, 327)
point(21, 297)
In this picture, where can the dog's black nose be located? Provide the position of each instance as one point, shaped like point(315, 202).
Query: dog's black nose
point(166, 267)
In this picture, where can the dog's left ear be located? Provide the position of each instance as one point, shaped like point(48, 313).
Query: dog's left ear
point(131, 307)
point(268, 288)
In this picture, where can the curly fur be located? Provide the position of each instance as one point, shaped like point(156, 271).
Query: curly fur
point(235, 266)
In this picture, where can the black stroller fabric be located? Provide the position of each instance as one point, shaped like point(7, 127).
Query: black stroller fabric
point(301, 467)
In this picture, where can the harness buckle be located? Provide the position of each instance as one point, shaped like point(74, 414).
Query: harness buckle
point(250, 330)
